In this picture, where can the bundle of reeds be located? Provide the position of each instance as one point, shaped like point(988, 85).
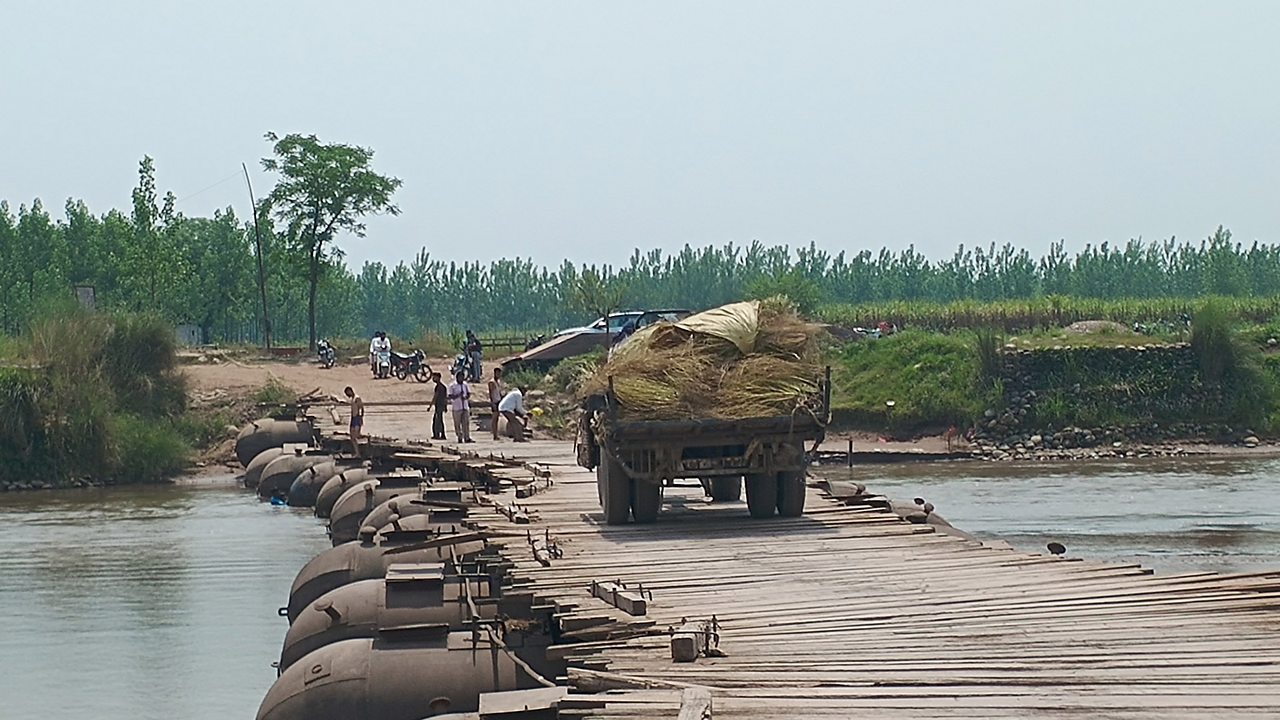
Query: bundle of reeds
point(742, 360)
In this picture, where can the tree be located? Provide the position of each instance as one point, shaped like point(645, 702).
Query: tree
point(324, 189)
point(595, 292)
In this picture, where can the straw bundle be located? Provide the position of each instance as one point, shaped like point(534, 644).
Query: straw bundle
point(737, 361)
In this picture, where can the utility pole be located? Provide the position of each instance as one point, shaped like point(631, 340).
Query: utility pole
point(262, 273)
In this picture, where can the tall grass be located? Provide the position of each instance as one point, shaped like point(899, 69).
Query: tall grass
point(97, 400)
point(1231, 366)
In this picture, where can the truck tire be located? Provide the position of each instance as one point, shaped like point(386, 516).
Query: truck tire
point(762, 495)
point(791, 492)
point(615, 491)
point(726, 489)
point(646, 501)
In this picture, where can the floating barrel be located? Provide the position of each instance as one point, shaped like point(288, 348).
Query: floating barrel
point(280, 473)
point(303, 490)
point(336, 486)
point(410, 594)
point(365, 559)
point(347, 516)
point(403, 674)
point(253, 471)
point(268, 433)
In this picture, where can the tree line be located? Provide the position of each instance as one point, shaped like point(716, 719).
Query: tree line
point(203, 270)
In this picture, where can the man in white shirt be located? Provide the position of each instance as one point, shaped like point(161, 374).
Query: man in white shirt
point(379, 343)
point(512, 408)
point(460, 403)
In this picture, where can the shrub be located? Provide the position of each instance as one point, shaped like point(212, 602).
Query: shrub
point(274, 392)
point(147, 450)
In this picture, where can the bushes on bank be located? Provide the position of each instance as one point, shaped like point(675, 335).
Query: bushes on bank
point(92, 395)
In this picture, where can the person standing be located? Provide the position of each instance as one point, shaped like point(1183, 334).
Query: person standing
point(460, 402)
point(496, 391)
point(356, 427)
point(440, 403)
point(475, 353)
point(512, 408)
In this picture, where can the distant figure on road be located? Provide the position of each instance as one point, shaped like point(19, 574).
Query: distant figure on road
point(378, 344)
point(440, 403)
point(512, 408)
point(496, 391)
point(475, 353)
point(356, 428)
point(460, 401)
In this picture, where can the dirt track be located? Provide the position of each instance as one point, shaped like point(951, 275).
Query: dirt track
point(243, 377)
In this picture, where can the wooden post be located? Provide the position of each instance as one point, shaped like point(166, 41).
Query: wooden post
point(687, 642)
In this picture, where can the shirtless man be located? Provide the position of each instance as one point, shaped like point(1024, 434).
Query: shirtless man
point(357, 419)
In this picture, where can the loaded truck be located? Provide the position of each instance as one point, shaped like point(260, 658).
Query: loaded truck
point(634, 457)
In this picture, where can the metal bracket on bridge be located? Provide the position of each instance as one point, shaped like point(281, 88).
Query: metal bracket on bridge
point(629, 600)
point(544, 548)
point(691, 639)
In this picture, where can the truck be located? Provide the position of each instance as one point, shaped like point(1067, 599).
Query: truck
point(633, 458)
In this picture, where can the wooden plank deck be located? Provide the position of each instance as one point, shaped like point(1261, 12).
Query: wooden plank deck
point(850, 612)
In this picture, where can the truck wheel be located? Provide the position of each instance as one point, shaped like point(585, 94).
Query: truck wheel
point(762, 495)
point(615, 491)
point(791, 493)
point(726, 489)
point(646, 500)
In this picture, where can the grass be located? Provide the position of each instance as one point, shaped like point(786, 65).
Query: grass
point(98, 399)
point(1054, 311)
point(274, 392)
point(909, 381)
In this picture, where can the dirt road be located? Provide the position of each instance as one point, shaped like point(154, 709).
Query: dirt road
point(243, 377)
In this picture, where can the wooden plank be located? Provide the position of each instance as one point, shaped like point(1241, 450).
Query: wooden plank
point(628, 600)
point(695, 704)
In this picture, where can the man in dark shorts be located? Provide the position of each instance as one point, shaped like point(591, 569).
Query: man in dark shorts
point(356, 428)
point(439, 404)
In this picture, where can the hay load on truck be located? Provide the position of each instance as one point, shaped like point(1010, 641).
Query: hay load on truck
point(729, 396)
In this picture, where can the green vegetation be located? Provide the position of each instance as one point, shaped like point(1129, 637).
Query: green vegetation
point(274, 392)
point(910, 381)
point(1166, 315)
point(205, 271)
point(96, 396)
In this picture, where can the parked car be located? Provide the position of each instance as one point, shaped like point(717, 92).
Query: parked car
point(600, 334)
point(615, 323)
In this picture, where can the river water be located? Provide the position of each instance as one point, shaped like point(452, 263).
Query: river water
point(1173, 515)
point(144, 602)
point(159, 602)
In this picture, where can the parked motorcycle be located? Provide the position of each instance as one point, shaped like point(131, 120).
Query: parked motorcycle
point(461, 364)
point(328, 356)
point(412, 365)
point(382, 368)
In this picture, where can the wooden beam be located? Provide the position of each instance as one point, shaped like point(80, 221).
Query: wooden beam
point(695, 704)
point(628, 601)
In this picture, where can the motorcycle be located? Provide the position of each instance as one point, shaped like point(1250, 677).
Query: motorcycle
point(412, 365)
point(328, 356)
point(535, 341)
point(382, 369)
point(461, 364)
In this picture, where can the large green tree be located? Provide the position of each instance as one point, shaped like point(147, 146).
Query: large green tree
point(324, 189)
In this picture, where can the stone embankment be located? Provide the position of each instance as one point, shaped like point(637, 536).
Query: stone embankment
point(1157, 387)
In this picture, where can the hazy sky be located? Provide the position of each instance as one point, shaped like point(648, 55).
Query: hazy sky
point(582, 130)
